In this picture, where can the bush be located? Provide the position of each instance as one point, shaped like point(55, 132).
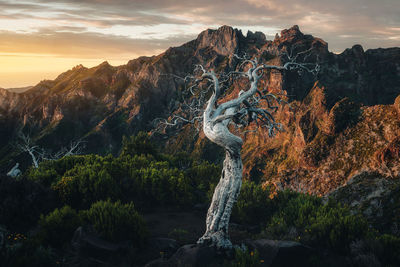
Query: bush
point(165, 185)
point(203, 175)
point(253, 205)
point(57, 228)
point(138, 145)
point(51, 171)
point(305, 218)
point(44, 175)
point(87, 184)
point(138, 178)
point(334, 227)
point(139, 174)
point(116, 222)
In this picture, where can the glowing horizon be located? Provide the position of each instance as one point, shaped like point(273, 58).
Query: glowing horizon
point(40, 39)
point(33, 68)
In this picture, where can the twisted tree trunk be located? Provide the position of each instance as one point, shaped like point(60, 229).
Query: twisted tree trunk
point(216, 118)
point(227, 190)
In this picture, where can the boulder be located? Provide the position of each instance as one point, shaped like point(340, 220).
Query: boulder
point(164, 247)
point(191, 255)
point(195, 255)
point(281, 253)
point(87, 244)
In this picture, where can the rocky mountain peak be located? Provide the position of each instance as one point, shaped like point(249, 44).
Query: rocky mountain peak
point(358, 49)
point(224, 40)
point(355, 51)
point(256, 37)
point(78, 67)
point(291, 33)
point(104, 64)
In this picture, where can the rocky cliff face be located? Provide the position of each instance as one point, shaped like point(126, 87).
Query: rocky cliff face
point(336, 127)
point(322, 147)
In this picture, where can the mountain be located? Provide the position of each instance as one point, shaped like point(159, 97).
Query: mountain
point(341, 123)
point(19, 89)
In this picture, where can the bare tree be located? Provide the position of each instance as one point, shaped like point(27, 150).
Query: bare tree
point(38, 154)
point(26, 144)
point(74, 148)
point(253, 105)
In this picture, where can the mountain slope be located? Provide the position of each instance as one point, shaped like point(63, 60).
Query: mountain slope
point(103, 103)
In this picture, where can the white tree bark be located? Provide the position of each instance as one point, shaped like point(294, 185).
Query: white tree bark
point(27, 145)
point(225, 196)
point(215, 127)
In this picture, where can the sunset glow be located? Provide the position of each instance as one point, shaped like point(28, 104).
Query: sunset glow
point(40, 39)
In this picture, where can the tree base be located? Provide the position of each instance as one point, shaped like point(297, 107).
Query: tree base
point(219, 240)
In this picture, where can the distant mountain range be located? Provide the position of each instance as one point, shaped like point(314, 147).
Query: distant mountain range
point(345, 123)
point(18, 90)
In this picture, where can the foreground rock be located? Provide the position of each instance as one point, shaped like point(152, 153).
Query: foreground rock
point(191, 255)
point(88, 248)
point(271, 253)
point(281, 253)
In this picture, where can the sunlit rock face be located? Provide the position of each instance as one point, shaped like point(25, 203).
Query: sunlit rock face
point(327, 128)
point(322, 147)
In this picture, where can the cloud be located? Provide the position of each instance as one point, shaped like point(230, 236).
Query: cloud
point(83, 44)
point(342, 22)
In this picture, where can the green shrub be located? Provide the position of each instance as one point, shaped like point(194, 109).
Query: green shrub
point(87, 184)
point(334, 227)
point(253, 205)
point(139, 174)
point(116, 222)
point(138, 145)
point(164, 185)
point(305, 218)
point(180, 160)
point(138, 178)
point(43, 175)
point(202, 175)
point(57, 228)
point(51, 171)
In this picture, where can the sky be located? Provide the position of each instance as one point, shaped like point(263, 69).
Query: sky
point(41, 39)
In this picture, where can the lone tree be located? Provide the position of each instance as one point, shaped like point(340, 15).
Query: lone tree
point(253, 105)
point(38, 154)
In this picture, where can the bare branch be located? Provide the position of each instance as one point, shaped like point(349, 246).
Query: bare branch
point(27, 145)
point(39, 154)
point(247, 106)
